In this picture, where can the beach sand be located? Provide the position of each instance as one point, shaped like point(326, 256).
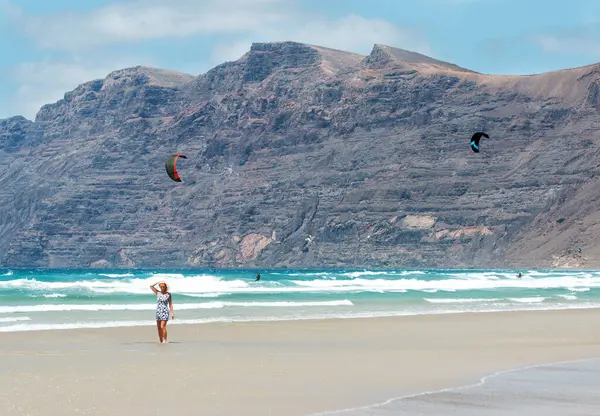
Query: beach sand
point(277, 368)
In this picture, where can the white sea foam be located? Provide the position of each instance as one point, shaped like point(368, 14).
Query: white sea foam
point(177, 283)
point(448, 284)
point(111, 324)
point(152, 306)
point(15, 319)
point(370, 273)
point(500, 291)
point(481, 276)
point(202, 295)
point(164, 276)
point(116, 275)
point(205, 284)
point(536, 299)
point(465, 300)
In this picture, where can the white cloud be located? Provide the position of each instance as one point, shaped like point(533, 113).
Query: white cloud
point(224, 52)
point(583, 44)
point(9, 11)
point(349, 33)
point(264, 20)
point(356, 33)
point(46, 82)
point(91, 34)
point(549, 43)
point(142, 20)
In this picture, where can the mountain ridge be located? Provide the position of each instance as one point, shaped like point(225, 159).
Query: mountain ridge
point(366, 155)
point(380, 55)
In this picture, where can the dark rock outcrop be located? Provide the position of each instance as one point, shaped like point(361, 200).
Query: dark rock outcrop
point(302, 156)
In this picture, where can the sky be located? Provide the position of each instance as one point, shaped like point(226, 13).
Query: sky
point(49, 47)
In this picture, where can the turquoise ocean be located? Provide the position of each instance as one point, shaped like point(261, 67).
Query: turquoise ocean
point(44, 299)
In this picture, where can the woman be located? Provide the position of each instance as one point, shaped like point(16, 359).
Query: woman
point(164, 305)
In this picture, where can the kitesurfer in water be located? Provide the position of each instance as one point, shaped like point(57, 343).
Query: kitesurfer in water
point(520, 275)
point(257, 277)
point(164, 309)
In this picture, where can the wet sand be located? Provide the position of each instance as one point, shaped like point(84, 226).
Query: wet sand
point(277, 368)
point(551, 390)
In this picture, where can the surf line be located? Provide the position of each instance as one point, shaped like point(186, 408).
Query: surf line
point(480, 383)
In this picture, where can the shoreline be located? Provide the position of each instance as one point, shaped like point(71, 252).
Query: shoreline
point(482, 382)
point(262, 320)
point(305, 367)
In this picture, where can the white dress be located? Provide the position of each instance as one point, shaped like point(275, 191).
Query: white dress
point(162, 307)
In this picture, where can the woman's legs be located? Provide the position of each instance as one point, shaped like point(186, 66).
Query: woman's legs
point(158, 327)
point(164, 328)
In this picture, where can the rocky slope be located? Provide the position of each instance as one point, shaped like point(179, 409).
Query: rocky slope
point(302, 156)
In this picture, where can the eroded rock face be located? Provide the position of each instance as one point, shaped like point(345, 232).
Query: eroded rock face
point(343, 160)
point(251, 246)
point(100, 264)
point(457, 234)
point(125, 260)
point(419, 221)
point(567, 261)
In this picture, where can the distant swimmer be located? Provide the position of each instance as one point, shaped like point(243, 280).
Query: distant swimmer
point(520, 275)
point(257, 277)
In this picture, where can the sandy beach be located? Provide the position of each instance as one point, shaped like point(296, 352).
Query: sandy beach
point(277, 368)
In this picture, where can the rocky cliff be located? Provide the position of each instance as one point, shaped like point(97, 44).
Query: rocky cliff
point(302, 156)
